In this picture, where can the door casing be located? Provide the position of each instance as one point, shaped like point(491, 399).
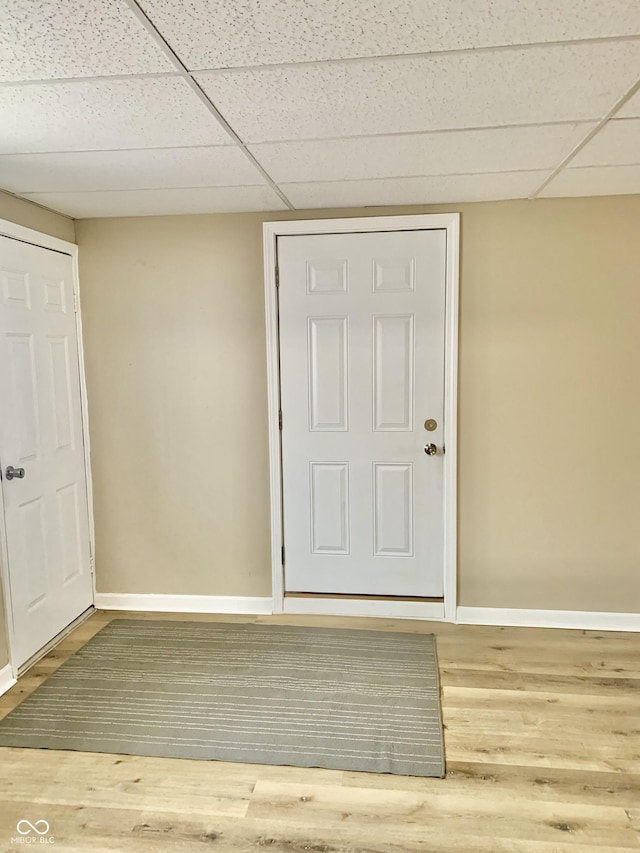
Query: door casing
point(28, 235)
point(342, 606)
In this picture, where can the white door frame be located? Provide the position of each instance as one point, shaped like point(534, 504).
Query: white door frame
point(37, 238)
point(353, 606)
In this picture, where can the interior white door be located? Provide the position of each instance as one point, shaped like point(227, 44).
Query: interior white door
point(46, 510)
point(361, 325)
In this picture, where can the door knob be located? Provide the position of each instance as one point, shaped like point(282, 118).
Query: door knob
point(430, 449)
point(12, 472)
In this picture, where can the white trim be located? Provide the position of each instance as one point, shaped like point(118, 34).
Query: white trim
point(45, 241)
point(271, 231)
point(380, 608)
point(19, 232)
point(273, 402)
point(585, 620)
point(242, 604)
point(7, 678)
point(84, 411)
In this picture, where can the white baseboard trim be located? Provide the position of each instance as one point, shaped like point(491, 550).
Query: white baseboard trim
point(384, 609)
point(6, 678)
point(184, 603)
point(586, 620)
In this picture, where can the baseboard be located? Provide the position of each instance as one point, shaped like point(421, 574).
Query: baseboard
point(383, 609)
point(585, 620)
point(6, 678)
point(184, 603)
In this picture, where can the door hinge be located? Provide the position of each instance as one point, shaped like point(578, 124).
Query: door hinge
point(280, 419)
point(277, 276)
point(75, 302)
point(283, 555)
point(92, 564)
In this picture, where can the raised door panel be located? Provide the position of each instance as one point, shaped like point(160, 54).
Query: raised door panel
point(16, 288)
point(24, 422)
point(31, 556)
point(394, 275)
point(70, 524)
point(63, 415)
point(54, 295)
point(393, 510)
point(327, 276)
point(329, 503)
point(393, 365)
point(328, 355)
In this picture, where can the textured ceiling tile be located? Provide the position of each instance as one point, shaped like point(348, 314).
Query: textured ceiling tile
point(518, 86)
point(432, 190)
point(598, 180)
point(104, 114)
point(617, 144)
point(220, 34)
point(121, 170)
point(160, 202)
point(631, 109)
point(46, 39)
point(450, 152)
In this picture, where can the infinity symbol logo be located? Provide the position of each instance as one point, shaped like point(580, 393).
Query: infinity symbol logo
point(41, 827)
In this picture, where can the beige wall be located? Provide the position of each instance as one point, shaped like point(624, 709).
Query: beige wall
point(549, 470)
point(31, 216)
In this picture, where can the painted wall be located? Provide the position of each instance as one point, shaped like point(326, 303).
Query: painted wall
point(549, 470)
point(31, 216)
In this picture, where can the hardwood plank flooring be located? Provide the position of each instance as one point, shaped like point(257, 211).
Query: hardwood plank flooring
point(542, 731)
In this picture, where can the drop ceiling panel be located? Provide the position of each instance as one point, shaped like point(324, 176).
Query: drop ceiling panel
point(493, 88)
point(632, 108)
point(103, 114)
point(447, 153)
point(431, 190)
point(219, 34)
point(139, 169)
point(597, 180)
point(617, 144)
point(160, 202)
point(74, 38)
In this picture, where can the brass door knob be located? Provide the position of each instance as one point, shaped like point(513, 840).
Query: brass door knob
point(430, 449)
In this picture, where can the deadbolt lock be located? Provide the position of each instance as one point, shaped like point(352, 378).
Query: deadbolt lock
point(430, 425)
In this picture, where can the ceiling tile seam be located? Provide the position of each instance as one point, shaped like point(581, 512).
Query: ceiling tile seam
point(168, 50)
point(383, 57)
point(433, 132)
point(35, 203)
point(297, 140)
point(585, 168)
point(99, 78)
point(145, 189)
point(287, 183)
point(590, 135)
point(420, 177)
point(224, 146)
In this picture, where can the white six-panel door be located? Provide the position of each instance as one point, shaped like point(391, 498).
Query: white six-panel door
point(361, 326)
point(46, 510)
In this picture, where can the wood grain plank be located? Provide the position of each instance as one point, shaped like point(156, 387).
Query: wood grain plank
point(543, 756)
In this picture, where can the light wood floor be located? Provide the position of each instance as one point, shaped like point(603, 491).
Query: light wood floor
point(542, 744)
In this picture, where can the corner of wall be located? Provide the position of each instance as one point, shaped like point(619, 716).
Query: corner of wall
point(24, 212)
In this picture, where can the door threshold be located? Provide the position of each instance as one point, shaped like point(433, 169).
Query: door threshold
point(361, 596)
point(374, 606)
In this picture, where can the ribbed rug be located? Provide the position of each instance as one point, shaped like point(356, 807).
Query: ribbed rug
point(268, 694)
